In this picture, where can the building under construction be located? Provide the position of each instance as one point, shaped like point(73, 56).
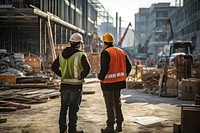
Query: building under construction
point(32, 25)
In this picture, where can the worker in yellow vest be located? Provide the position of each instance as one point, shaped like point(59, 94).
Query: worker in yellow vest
point(115, 67)
point(72, 66)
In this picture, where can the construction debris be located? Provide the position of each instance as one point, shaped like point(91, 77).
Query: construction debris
point(13, 104)
point(18, 64)
point(28, 95)
point(168, 81)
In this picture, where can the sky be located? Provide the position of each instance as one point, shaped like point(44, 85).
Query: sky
point(128, 8)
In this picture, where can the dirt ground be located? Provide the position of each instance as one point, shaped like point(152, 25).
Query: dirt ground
point(43, 118)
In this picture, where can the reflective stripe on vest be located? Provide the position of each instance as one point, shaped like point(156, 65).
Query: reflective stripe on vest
point(115, 75)
point(76, 64)
point(71, 80)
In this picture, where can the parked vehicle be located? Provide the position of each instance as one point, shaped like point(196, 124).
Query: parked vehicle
point(180, 47)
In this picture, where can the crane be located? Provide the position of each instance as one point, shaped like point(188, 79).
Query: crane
point(122, 38)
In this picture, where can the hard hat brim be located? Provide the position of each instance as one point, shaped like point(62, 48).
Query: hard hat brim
point(76, 41)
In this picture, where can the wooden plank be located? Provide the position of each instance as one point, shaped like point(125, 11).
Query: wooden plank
point(7, 109)
point(3, 120)
point(36, 86)
point(25, 93)
point(41, 100)
point(51, 41)
point(160, 82)
point(42, 93)
point(14, 104)
point(19, 99)
point(32, 96)
point(8, 92)
point(50, 95)
point(28, 96)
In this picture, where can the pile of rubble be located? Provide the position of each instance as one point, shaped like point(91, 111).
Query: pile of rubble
point(25, 68)
point(14, 64)
point(180, 80)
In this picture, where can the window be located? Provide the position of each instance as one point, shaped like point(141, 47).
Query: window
point(162, 14)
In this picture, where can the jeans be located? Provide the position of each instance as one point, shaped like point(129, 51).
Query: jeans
point(70, 102)
point(113, 107)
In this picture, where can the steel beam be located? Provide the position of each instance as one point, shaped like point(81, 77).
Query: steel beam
point(56, 19)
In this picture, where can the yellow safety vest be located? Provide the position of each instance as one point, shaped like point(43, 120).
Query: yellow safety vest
point(71, 69)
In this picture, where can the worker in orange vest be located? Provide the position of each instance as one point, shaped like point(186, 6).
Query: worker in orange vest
point(115, 67)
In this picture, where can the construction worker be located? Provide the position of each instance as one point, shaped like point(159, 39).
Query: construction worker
point(115, 67)
point(72, 66)
point(138, 69)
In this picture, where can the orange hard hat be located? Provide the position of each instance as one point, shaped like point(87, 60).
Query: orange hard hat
point(108, 37)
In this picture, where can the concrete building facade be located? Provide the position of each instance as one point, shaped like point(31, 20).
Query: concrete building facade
point(184, 20)
point(186, 23)
point(159, 15)
point(154, 23)
point(141, 26)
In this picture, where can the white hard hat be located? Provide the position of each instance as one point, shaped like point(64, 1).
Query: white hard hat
point(76, 37)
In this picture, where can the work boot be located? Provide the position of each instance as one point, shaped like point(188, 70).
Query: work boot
point(107, 130)
point(63, 129)
point(119, 128)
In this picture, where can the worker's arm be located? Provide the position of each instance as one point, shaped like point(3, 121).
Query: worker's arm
point(104, 61)
point(86, 66)
point(128, 65)
point(55, 67)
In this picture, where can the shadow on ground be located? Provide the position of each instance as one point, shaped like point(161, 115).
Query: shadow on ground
point(137, 96)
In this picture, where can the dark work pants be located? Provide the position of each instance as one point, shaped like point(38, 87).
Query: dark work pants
point(70, 100)
point(113, 107)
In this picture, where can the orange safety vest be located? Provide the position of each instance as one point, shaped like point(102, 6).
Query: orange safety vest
point(117, 66)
